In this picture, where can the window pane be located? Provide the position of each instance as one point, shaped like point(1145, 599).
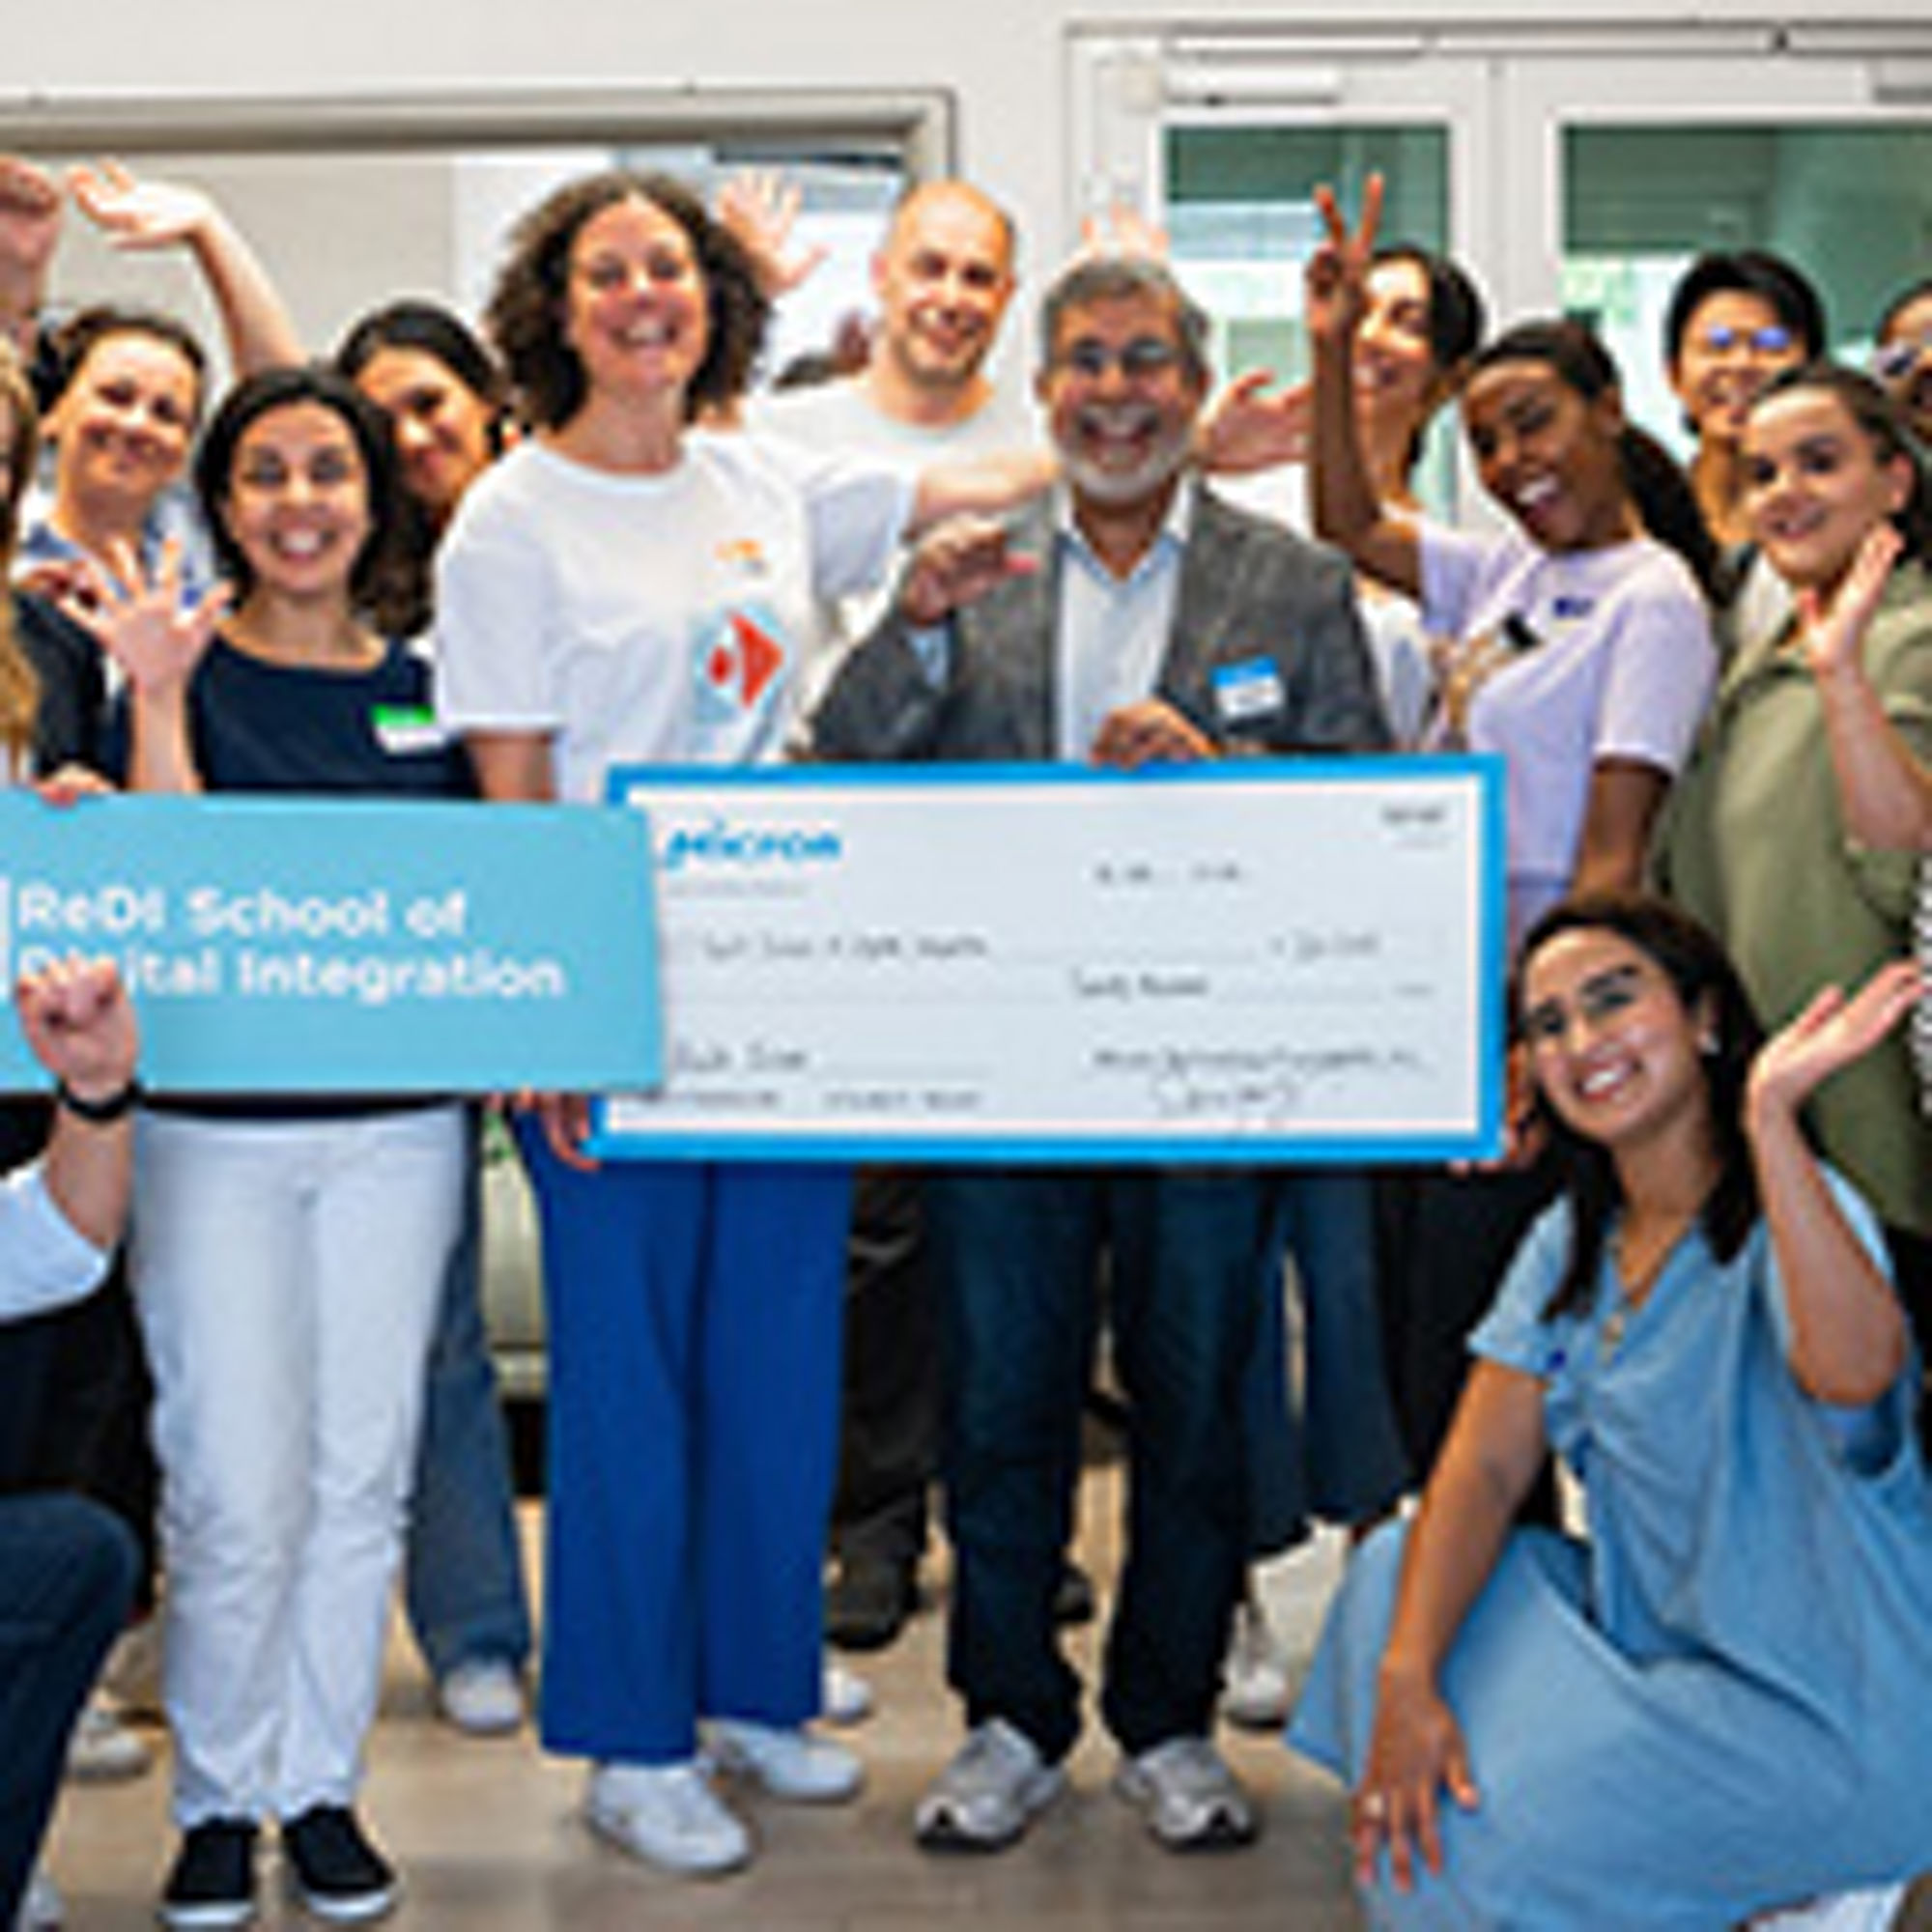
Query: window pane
point(1241, 223)
point(1852, 206)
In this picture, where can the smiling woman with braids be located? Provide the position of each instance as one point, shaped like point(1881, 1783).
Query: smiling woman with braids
point(1581, 647)
point(1579, 652)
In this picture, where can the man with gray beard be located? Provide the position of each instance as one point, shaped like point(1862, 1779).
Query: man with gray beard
point(1136, 619)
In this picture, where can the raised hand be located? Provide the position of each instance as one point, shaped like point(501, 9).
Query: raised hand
point(79, 1025)
point(760, 208)
point(148, 625)
point(957, 562)
point(136, 214)
point(30, 215)
point(1123, 230)
point(1834, 631)
point(30, 218)
point(1335, 281)
point(74, 585)
point(1246, 428)
point(1832, 1032)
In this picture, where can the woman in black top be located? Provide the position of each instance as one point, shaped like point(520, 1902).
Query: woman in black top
point(289, 1252)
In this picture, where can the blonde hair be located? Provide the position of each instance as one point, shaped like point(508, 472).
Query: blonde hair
point(19, 688)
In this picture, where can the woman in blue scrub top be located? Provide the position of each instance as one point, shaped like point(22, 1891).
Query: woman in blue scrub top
point(1713, 1705)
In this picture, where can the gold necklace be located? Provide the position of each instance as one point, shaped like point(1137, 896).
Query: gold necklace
point(1636, 1278)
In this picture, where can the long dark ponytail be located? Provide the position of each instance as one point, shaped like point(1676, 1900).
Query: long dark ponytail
point(1658, 487)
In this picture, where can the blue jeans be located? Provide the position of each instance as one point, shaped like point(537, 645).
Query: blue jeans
point(67, 1578)
point(694, 1314)
point(1334, 1453)
point(1021, 1258)
point(462, 1567)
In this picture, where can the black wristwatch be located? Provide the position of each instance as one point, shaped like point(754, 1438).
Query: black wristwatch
point(102, 1113)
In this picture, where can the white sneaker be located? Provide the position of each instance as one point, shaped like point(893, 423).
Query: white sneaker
point(1257, 1684)
point(1873, 1910)
point(668, 1815)
point(845, 1697)
point(41, 1907)
point(482, 1696)
point(104, 1747)
point(785, 1763)
point(1189, 1798)
point(995, 1787)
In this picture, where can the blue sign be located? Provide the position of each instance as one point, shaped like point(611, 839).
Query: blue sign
point(311, 946)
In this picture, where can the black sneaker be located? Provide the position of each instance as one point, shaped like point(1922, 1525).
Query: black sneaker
point(213, 1883)
point(1073, 1595)
point(337, 1873)
point(868, 1601)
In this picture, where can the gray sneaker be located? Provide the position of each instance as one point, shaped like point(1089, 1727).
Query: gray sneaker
point(995, 1787)
point(1256, 1681)
point(1189, 1798)
point(105, 1745)
point(41, 1907)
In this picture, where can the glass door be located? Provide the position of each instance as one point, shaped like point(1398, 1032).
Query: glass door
point(1223, 139)
point(1656, 160)
point(1574, 169)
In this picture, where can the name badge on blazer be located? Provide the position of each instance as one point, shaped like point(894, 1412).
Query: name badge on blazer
point(1246, 691)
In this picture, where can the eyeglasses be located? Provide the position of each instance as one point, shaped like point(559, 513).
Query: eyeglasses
point(1145, 355)
point(1896, 360)
point(1772, 339)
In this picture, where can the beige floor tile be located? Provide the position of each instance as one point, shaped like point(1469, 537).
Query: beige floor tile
point(486, 1833)
point(488, 1840)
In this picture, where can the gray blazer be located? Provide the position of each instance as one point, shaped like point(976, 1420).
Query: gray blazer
point(1269, 611)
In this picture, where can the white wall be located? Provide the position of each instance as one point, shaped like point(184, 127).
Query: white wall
point(1003, 59)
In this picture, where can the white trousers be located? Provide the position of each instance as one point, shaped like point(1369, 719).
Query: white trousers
point(287, 1275)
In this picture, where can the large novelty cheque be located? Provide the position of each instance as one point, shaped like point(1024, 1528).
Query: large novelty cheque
point(345, 946)
point(1300, 959)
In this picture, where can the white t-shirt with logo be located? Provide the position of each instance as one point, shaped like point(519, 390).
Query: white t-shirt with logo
point(652, 619)
point(1590, 655)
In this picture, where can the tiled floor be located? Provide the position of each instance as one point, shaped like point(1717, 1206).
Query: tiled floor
point(487, 1836)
